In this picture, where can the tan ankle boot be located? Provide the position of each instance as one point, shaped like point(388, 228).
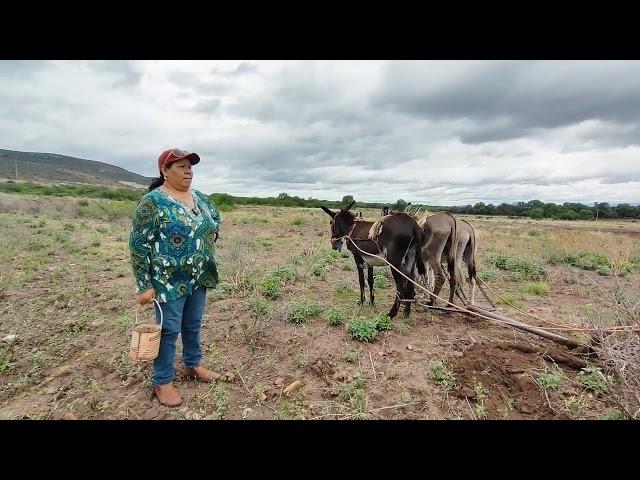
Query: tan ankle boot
point(201, 374)
point(167, 395)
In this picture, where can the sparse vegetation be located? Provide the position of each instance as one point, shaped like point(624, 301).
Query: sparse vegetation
point(525, 268)
point(379, 281)
point(220, 401)
point(302, 361)
point(550, 380)
point(289, 408)
point(614, 414)
point(535, 288)
point(488, 274)
point(575, 405)
point(341, 286)
point(335, 316)
point(352, 356)
point(509, 299)
point(300, 312)
point(258, 306)
point(353, 394)
point(443, 376)
point(481, 393)
point(593, 379)
point(73, 327)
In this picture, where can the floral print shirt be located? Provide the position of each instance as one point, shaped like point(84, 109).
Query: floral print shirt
point(172, 247)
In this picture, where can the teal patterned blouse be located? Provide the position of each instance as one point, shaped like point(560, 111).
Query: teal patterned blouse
point(172, 248)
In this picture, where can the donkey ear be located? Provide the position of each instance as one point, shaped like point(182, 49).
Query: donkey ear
point(348, 207)
point(327, 211)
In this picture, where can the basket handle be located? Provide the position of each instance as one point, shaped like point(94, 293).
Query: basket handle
point(159, 308)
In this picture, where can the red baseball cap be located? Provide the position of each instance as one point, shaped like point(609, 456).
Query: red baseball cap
point(173, 155)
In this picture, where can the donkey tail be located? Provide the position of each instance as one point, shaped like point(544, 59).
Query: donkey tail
point(418, 236)
point(471, 261)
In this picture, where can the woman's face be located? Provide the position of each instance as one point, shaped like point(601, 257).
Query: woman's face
point(179, 176)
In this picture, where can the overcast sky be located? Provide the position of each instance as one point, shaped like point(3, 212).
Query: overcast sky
point(435, 132)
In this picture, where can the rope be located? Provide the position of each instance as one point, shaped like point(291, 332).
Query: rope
point(462, 309)
point(618, 328)
point(459, 308)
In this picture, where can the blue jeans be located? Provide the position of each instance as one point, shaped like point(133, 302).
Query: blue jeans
point(180, 316)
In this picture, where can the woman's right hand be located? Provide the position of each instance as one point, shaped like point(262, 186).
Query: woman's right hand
point(146, 297)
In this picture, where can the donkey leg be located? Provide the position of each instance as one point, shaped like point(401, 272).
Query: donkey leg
point(361, 281)
point(400, 287)
point(473, 291)
point(438, 274)
point(370, 280)
point(453, 283)
point(472, 281)
point(410, 294)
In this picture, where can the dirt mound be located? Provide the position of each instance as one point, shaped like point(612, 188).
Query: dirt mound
point(499, 379)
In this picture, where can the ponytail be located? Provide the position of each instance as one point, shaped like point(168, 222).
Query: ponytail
point(156, 182)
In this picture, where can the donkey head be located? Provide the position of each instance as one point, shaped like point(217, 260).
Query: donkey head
point(341, 223)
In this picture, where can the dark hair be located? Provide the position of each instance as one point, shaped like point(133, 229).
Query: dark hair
point(156, 182)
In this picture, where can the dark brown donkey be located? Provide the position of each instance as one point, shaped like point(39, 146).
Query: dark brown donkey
point(399, 242)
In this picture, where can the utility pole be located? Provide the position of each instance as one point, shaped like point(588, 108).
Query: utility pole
point(15, 160)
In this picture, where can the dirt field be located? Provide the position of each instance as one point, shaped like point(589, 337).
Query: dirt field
point(281, 315)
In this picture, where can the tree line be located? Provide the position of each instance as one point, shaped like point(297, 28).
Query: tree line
point(532, 209)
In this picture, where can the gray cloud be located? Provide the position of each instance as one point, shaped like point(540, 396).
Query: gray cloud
point(244, 68)
point(21, 69)
point(427, 132)
point(200, 85)
point(124, 72)
point(207, 106)
point(506, 100)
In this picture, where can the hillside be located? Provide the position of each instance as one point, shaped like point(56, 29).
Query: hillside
point(53, 168)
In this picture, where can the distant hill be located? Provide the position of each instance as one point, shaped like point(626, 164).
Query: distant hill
point(53, 168)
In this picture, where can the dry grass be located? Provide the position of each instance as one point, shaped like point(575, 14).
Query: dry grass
point(66, 291)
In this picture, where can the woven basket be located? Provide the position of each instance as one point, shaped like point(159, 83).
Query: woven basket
point(145, 339)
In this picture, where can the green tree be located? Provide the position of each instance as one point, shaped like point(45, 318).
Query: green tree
point(400, 205)
point(536, 213)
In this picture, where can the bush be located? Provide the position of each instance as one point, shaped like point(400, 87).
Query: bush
point(300, 312)
point(225, 208)
point(535, 288)
point(318, 269)
point(271, 287)
point(593, 261)
point(383, 322)
point(258, 306)
point(593, 379)
point(335, 316)
point(527, 269)
point(444, 377)
point(362, 329)
point(285, 273)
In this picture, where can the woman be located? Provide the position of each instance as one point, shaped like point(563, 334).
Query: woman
point(172, 241)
